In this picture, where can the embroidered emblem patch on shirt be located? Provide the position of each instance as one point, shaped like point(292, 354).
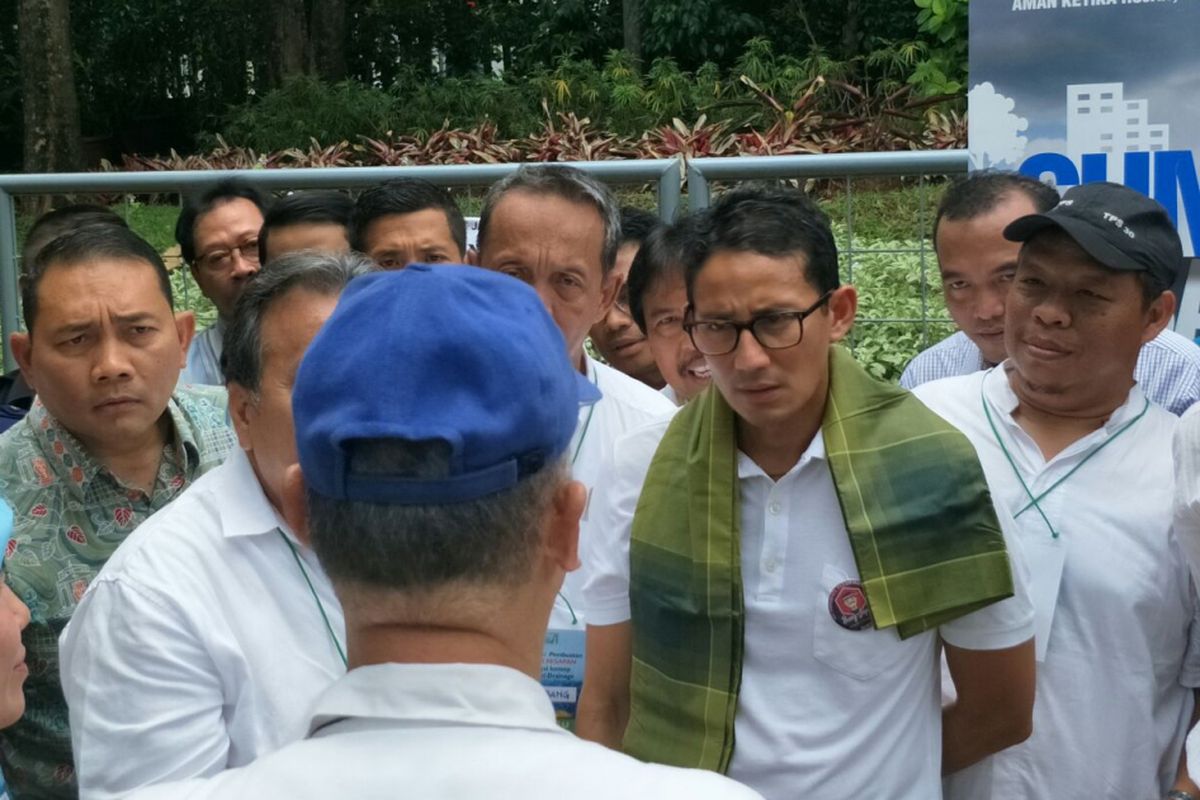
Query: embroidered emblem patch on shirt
point(848, 606)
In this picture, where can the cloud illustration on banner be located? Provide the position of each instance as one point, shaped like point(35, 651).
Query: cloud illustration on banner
point(994, 131)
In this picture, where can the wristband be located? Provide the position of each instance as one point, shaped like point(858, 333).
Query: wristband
point(1179, 794)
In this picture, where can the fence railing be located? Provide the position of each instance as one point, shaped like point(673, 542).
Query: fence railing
point(666, 174)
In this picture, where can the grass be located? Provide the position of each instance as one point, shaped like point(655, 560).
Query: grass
point(881, 226)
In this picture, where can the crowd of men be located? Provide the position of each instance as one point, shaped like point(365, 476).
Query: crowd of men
point(388, 525)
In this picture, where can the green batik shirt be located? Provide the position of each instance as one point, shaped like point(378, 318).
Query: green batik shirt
point(71, 513)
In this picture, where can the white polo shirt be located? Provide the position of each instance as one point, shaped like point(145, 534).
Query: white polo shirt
point(626, 404)
point(1113, 686)
point(824, 713)
point(446, 731)
point(200, 645)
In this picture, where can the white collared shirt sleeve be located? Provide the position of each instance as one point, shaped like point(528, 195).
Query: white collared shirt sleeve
point(1007, 623)
point(1187, 487)
point(136, 681)
point(606, 551)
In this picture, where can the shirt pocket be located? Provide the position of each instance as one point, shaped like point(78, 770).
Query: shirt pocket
point(860, 654)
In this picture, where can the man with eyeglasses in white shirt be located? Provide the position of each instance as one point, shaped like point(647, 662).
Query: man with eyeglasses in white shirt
point(217, 233)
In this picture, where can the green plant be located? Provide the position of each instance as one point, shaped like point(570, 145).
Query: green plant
point(305, 109)
point(944, 70)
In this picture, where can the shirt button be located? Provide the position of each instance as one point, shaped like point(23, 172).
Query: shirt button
point(775, 508)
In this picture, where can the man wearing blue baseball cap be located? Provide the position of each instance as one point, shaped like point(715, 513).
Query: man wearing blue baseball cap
point(440, 504)
point(1081, 457)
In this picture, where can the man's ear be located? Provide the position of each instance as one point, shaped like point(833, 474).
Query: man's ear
point(22, 348)
point(185, 326)
point(242, 408)
point(294, 499)
point(843, 306)
point(562, 524)
point(1158, 316)
point(609, 286)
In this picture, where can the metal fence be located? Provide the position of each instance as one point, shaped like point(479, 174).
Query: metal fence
point(667, 175)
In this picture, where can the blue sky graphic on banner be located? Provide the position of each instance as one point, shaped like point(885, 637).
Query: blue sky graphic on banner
point(1089, 90)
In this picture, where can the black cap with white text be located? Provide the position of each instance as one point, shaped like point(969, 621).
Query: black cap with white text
point(1117, 226)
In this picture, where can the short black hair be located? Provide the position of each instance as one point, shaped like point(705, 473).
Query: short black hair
point(84, 245)
point(773, 221)
point(636, 224)
point(664, 254)
point(405, 196)
point(321, 273)
point(980, 192)
point(313, 208)
point(55, 223)
point(206, 200)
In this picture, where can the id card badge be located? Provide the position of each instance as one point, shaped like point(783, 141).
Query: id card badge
point(1045, 556)
point(562, 671)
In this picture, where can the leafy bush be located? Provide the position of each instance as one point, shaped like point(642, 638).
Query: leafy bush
point(774, 102)
point(305, 109)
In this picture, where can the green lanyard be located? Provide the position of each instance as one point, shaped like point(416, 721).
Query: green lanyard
point(587, 422)
point(1035, 502)
point(320, 606)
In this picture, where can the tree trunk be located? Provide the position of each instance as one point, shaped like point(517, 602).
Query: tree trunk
point(52, 141)
point(288, 42)
point(631, 19)
point(851, 35)
point(327, 34)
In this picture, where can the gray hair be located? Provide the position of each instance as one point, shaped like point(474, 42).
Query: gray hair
point(490, 541)
point(324, 273)
point(569, 183)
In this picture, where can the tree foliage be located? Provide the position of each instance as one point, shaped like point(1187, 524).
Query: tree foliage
point(157, 74)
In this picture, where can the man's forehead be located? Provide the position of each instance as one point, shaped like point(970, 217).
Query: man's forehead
point(1055, 254)
point(229, 216)
point(129, 285)
point(666, 291)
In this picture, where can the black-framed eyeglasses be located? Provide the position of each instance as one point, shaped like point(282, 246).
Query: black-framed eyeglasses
point(222, 259)
point(622, 299)
point(775, 330)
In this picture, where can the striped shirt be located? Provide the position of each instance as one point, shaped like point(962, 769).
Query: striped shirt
point(1168, 368)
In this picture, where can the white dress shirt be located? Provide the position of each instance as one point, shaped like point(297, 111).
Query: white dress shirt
point(200, 645)
point(1168, 367)
point(1114, 602)
point(204, 357)
point(824, 713)
point(1186, 525)
point(446, 731)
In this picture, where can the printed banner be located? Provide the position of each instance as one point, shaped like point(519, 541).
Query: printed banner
point(1077, 91)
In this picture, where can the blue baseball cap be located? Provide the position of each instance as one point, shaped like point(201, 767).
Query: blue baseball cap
point(453, 353)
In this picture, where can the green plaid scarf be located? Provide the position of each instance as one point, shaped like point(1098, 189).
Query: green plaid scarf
point(925, 537)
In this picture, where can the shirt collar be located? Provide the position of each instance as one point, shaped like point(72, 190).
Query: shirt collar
point(243, 506)
point(75, 466)
point(815, 452)
point(1001, 397)
point(461, 694)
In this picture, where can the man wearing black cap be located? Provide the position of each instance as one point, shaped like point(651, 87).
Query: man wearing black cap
point(441, 505)
point(1079, 456)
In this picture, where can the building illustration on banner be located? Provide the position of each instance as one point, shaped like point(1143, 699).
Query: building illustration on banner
point(1101, 120)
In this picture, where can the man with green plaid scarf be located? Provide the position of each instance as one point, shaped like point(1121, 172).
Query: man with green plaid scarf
point(780, 565)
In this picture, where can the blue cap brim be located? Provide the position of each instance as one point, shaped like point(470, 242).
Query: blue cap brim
point(6, 528)
point(589, 393)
